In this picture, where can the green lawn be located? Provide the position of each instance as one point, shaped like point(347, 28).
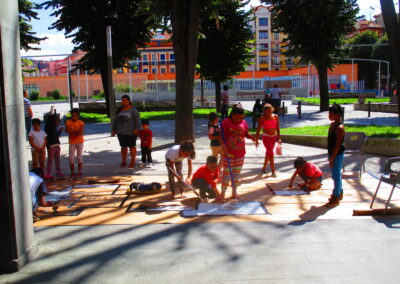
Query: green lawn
point(150, 115)
point(343, 101)
point(50, 99)
point(371, 131)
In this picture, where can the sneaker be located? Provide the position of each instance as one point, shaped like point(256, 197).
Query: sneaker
point(273, 175)
point(341, 196)
point(149, 165)
point(79, 175)
point(333, 201)
point(142, 165)
point(72, 176)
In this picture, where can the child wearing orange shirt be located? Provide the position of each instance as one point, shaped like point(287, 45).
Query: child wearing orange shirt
point(74, 128)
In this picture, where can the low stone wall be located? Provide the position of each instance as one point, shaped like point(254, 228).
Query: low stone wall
point(379, 146)
point(377, 107)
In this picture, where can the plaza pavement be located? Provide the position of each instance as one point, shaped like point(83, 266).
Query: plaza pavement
point(366, 250)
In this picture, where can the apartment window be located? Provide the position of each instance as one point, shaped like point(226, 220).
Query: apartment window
point(162, 58)
point(263, 34)
point(163, 70)
point(276, 60)
point(263, 59)
point(154, 70)
point(172, 70)
point(276, 36)
point(264, 46)
point(145, 59)
point(154, 59)
point(172, 58)
point(145, 70)
point(263, 21)
point(276, 68)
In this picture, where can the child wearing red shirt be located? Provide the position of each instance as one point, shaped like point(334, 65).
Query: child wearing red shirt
point(146, 140)
point(204, 179)
point(234, 130)
point(310, 173)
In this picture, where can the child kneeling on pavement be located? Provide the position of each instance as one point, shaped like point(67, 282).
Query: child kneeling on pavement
point(309, 172)
point(204, 179)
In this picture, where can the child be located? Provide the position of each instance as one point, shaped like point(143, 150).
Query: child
point(257, 112)
point(38, 188)
point(146, 139)
point(74, 128)
point(213, 134)
point(174, 157)
point(269, 123)
point(234, 130)
point(310, 173)
point(38, 141)
point(336, 153)
point(204, 179)
point(53, 132)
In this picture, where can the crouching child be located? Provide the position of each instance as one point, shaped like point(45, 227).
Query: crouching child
point(205, 179)
point(38, 190)
point(309, 172)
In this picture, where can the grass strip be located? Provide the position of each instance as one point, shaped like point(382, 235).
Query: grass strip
point(150, 115)
point(343, 101)
point(371, 131)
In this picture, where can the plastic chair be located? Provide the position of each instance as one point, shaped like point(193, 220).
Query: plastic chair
point(390, 176)
point(353, 143)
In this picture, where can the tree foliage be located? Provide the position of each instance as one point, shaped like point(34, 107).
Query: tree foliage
point(86, 21)
point(184, 17)
point(366, 69)
point(27, 12)
point(382, 52)
point(315, 32)
point(224, 43)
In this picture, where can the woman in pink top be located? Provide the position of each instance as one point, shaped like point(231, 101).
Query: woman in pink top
point(310, 173)
point(232, 139)
point(269, 122)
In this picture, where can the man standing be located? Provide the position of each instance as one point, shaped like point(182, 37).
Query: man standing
point(225, 102)
point(28, 113)
point(276, 97)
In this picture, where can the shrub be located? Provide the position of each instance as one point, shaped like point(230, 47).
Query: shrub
point(56, 94)
point(34, 95)
point(101, 94)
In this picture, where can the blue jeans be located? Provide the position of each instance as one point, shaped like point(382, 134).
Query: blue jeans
point(336, 171)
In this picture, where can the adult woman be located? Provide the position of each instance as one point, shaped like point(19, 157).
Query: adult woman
point(269, 122)
point(127, 126)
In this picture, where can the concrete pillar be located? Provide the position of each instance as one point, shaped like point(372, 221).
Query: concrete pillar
point(17, 245)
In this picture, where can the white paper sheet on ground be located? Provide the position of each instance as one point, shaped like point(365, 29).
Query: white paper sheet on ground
point(170, 208)
point(227, 208)
point(55, 196)
point(290, 192)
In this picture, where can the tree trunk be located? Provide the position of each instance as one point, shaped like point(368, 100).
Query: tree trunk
point(103, 72)
point(323, 87)
point(392, 26)
point(218, 96)
point(185, 27)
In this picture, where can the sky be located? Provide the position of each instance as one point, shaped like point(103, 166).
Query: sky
point(58, 44)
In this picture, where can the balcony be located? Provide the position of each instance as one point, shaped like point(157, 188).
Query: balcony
point(276, 50)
